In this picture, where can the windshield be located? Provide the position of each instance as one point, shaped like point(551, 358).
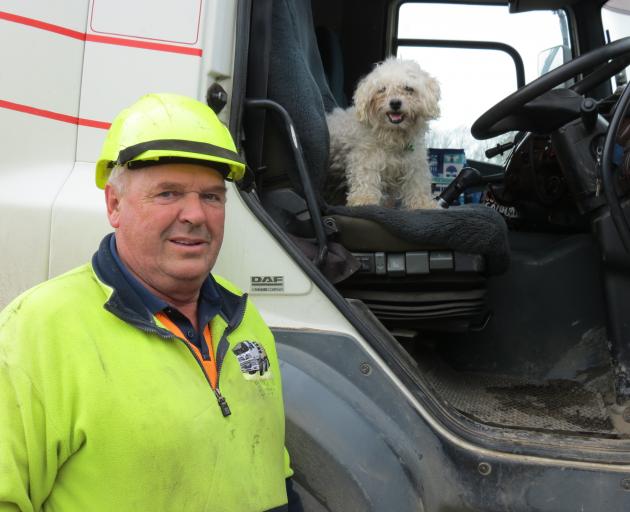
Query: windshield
point(616, 21)
point(474, 78)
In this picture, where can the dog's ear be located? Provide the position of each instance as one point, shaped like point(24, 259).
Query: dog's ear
point(361, 100)
point(364, 94)
point(430, 97)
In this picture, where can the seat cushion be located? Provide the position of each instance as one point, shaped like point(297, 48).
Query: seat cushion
point(468, 228)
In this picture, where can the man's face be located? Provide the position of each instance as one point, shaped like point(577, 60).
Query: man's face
point(169, 224)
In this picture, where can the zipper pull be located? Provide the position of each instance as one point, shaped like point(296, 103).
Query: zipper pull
point(225, 408)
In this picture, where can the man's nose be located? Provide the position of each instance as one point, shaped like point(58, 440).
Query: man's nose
point(192, 210)
point(395, 104)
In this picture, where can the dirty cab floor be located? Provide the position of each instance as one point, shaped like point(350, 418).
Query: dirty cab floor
point(511, 402)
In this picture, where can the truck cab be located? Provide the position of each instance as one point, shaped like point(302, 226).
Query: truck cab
point(474, 358)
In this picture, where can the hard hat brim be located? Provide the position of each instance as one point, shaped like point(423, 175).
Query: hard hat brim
point(164, 151)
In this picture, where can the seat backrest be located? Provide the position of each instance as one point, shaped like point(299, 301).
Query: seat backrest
point(332, 58)
point(297, 81)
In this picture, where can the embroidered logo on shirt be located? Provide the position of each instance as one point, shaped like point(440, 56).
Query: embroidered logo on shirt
point(253, 360)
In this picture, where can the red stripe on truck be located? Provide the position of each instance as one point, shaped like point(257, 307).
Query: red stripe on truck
point(42, 25)
point(49, 114)
point(147, 45)
point(82, 36)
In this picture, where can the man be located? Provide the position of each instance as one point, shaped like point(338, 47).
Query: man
point(140, 382)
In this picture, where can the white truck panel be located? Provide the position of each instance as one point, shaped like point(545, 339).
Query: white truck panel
point(26, 196)
point(218, 38)
point(34, 141)
point(250, 251)
point(114, 77)
point(40, 69)
point(160, 20)
point(39, 99)
point(79, 221)
point(70, 14)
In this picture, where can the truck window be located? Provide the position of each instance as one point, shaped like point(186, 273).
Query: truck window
point(480, 54)
point(616, 22)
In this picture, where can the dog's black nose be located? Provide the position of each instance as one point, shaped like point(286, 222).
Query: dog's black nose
point(395, 104)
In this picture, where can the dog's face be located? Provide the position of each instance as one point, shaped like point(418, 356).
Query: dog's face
point(397, 95)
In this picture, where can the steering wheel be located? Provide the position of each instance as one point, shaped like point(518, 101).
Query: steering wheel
point(538, 107)
point(608, 177)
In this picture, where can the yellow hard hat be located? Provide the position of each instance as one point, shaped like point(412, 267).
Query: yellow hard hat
point(168, 127)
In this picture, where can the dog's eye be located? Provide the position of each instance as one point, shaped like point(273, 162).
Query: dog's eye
point(409, 89)
point(381, 90)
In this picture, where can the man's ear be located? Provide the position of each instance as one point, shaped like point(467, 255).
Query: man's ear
point(112, 200)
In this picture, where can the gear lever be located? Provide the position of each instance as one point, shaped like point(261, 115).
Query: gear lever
point(467, 177)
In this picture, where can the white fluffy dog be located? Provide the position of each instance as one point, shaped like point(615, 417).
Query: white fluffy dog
point(378, 145)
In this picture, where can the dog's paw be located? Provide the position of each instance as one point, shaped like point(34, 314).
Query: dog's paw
point(362, 200)
point(420, 203)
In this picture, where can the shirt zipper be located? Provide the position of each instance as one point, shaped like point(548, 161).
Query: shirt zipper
point(223, 405)
point(222, 346)
point(176, 333)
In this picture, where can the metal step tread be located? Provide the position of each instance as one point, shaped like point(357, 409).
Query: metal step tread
point(505, 401)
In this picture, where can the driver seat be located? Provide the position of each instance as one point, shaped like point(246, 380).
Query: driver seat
point(415, 268)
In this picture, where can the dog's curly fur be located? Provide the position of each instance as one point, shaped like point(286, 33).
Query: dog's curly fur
point(377, 146)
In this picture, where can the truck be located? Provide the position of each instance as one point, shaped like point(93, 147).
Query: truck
point(471, 358)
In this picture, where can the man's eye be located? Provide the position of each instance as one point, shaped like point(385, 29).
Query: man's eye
point(212, 198)
point(167, 195)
